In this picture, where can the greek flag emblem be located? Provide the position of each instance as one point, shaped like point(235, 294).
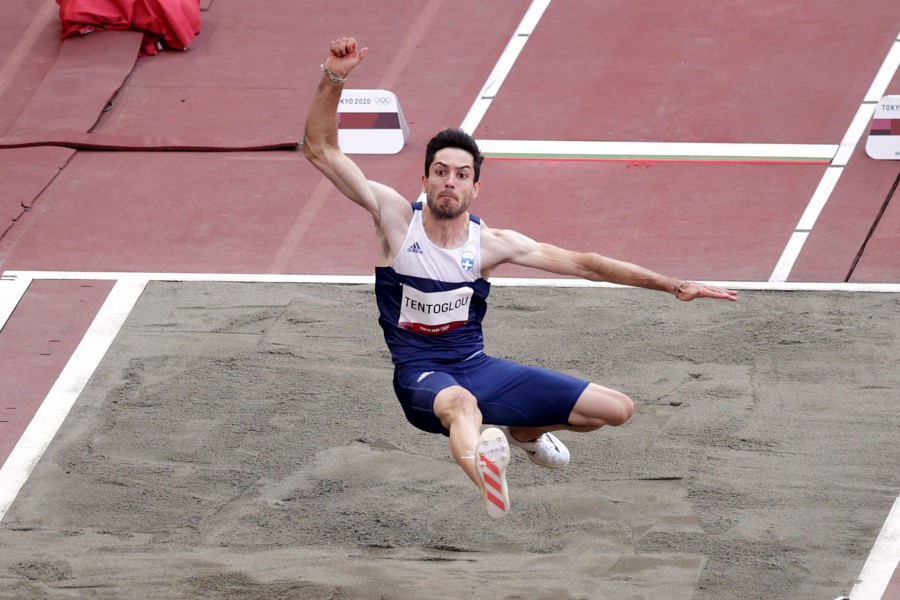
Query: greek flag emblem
point(467, 260)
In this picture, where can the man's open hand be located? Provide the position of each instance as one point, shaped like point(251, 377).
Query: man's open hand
point(691, 290)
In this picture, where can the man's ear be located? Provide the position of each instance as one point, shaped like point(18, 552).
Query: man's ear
point(475, 188)
point(424, 181)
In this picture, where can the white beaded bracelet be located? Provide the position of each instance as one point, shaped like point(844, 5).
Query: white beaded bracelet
point(332, 76)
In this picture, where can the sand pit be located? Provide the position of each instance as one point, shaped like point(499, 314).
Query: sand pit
point(243, 441)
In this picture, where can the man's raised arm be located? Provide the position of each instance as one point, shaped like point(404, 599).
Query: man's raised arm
point(320, 139)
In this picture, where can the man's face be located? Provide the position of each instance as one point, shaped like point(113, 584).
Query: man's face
point(450, 184)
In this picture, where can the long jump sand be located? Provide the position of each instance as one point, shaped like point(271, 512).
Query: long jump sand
point(243, 441)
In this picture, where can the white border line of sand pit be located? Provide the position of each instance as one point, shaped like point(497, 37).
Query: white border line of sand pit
point(764, 286)
point(71, 381)
point(883, 560)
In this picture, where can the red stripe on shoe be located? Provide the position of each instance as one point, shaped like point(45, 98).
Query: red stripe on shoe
point(498, 502)
point(491, 466)
point(493, 483)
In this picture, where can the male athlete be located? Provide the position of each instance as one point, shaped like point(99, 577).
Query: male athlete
point(431, 283)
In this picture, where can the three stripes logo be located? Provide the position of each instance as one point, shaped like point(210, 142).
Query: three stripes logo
point(415, 249)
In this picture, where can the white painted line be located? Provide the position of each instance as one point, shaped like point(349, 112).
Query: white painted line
point(883, 560)
point(210, 277)
point(496, 281)
point(756, 286)
point(857, 129)
point(504, 65)
point(789, 256)
point(11, 291)
point(55, 407)
point(885, 73)
point(820, 197)
point(42, 18)
point(822, 152)
point(532, 17)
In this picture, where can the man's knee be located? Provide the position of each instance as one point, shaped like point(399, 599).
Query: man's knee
point(600, 406)
point(453, 403)
point(623, 411)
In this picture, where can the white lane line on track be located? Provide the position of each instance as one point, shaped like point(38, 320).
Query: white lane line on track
point(686, 150)
point(820, 197)
point(854, 134)
point(883, 560)
point(504, 65)
point(74, 376)
point(11, 291)
point(43, 17)
point(885, 73)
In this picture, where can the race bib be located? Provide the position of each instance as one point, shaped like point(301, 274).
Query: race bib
point(434, 313)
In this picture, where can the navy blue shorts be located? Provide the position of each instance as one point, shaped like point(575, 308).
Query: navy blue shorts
point(508, 393)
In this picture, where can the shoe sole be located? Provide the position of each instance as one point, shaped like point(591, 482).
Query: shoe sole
point(493, 458)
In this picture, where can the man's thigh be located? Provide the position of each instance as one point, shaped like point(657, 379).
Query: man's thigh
point(508, 393)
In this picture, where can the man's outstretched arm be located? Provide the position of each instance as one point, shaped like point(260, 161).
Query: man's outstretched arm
point(320, 138)
point(512, 247)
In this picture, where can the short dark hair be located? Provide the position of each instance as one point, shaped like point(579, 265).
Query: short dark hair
point(453, 138)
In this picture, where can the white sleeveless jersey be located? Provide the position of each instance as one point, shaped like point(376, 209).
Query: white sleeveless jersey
point(431, 300)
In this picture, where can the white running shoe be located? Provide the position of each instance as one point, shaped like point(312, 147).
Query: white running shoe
point(493, 458)
point(546, 451)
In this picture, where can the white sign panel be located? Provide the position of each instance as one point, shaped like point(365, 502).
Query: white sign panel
point(884, 137)
point(371, 122)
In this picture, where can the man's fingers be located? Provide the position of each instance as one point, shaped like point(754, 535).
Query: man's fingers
point(715, 292)
point(694, 290)
point(343, 46)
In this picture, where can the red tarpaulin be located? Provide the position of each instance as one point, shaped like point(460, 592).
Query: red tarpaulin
point(167, 23)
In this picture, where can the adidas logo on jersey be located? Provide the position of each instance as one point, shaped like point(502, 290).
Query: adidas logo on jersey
point(415, 248)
